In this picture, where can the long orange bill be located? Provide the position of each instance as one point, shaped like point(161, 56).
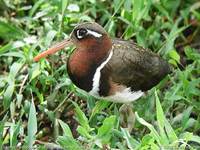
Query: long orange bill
point(53, 49)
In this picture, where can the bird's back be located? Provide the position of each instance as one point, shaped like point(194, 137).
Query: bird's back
point(135, 67)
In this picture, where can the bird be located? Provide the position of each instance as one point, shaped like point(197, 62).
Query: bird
point(108, 68)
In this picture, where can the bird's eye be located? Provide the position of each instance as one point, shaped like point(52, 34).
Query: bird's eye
point(80, 33)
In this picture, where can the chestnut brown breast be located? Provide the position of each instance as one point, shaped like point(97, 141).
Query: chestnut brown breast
point(85, 59)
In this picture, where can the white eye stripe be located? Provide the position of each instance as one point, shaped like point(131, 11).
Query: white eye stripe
point(78, 35)
point(95, 34)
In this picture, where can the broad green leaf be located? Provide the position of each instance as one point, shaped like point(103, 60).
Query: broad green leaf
point(108, 124)
point(131, 142)
point(14, 134)
point(2, 123)
point(14, 54)
point(116, 10)
point(100, 105)
point(12, 110)
point(64, 5)
point(32, 125)
point(9, 31)
point(5, 48)
point(174, 55)
point(173, 62)
point(186, 116)
point(35, 71)
point(104, 132)
point(170, 132)
point(191, 53)
point(161, 120)
point(147, 140)
point(19, 100)
point(196, 13)
point(154, 133)
point(159, 113)
point(35, 7)
point(40, 14)
point(14, 69)
point(50, 36)
point(171, 37)
point(81, 118)
point(8, 95)
point(82, 131)
point(65, 128)
point(39, 95)
point(163, 11)
point(195, 138)
point(187, 136)
point(68, 143)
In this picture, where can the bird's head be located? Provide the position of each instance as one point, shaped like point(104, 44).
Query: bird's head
point(90, 37)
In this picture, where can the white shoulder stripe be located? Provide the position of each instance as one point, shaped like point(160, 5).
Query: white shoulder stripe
point(95, 34)
point(97, 75)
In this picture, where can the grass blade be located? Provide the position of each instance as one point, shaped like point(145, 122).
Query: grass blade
point(81, 118)
point(32, 125)
point(65, 128)
point(100, 105)
point(68, 143)
point(154, 133)
point(161, 120)
point(9, 31)
point(108, 124)
point(131, 142)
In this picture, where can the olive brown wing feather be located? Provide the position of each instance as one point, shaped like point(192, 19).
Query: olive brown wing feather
point(135, 67)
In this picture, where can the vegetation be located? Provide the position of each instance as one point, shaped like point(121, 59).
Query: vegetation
point(41, 108)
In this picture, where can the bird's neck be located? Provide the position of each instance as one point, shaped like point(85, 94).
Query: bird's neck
point(85, 60)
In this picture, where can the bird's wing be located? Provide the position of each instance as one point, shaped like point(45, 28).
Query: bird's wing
point(135, 66)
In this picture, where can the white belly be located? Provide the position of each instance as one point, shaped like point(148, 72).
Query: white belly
point(125, 96)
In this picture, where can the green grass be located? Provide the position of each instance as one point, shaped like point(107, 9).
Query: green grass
point(41, 108)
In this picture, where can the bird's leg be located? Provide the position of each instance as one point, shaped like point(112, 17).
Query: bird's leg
point(127, 116)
